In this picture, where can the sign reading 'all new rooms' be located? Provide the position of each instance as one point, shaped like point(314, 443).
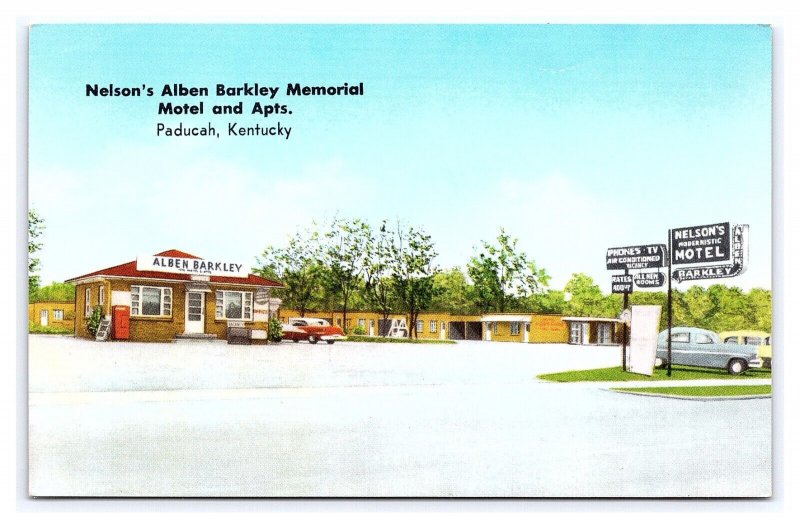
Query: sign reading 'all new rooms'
point(190, 266)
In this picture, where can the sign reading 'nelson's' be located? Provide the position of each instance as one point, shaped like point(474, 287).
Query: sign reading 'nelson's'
point(190, 266)
point(700, 244)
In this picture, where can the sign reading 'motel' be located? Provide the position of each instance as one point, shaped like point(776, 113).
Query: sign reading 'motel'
point(190, 266)
point(701, 244)
point(636, 257)
point(709, 244)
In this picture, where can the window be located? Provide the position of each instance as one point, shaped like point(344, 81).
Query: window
point(432, 326)
point(514, 329)
point(750, 340)
point(151, 301)
point(362, 323)
point(575, 333)
point(234, 305)
point(101, 297)
point(703, 339)
point(604, 333)
point(420, 325)
point(87, 302)
point(58, 315)
point(443, 326)
point(732, 340)
point(680, 337)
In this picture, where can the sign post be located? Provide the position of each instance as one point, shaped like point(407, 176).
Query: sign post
point(634, 258)
point(704, 244)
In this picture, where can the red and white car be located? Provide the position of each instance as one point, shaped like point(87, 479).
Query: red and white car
point(311, 330)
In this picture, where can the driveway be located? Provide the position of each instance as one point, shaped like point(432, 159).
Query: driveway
point(360, 419)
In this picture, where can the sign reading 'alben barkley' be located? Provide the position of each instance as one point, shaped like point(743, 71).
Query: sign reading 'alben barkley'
point(190, 266)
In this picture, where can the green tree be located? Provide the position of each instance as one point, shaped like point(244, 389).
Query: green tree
point(379, 290)
point(342, 255)
point(297, 266)
point(586, 299)
point(453, 293)
point(548, 302)
point(502, 273)
point(412, 272)
point(760, 303)
point(56, 291)
point(35, 229)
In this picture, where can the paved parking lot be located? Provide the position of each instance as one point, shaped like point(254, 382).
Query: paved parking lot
point(360, 419)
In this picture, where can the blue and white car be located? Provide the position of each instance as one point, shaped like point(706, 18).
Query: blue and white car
point(703, 348)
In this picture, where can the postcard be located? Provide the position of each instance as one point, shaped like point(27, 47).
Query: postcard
point(400, 261)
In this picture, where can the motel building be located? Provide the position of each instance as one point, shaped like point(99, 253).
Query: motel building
point(513, 328)
point(174, 295)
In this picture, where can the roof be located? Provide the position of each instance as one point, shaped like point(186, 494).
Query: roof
point(512, 318)
point(592, 319)
point(129, 270)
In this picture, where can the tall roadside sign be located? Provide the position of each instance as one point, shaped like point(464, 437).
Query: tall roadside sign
point(711, 251)
point(634, 258)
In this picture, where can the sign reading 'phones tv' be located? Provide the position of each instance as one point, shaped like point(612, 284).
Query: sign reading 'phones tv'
point(700, 244)
point(636, 257)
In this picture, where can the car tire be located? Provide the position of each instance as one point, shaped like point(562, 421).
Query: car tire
point(736, 366)
point(331, 341)
point(312, 339)
point(768, 363)
point(296, 340)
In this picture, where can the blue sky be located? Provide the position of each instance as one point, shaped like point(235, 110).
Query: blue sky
point(573, 138)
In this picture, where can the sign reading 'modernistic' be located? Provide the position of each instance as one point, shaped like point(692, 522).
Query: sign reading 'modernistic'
point(636, 257)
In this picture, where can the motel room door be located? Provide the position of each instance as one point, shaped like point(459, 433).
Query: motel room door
point(43, 317)
point(195, 312)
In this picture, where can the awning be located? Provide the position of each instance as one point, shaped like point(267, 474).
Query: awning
point(506, 318)
point(198, 286)
point(591, 319)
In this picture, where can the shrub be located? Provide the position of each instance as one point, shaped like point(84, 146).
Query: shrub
point(94, 320)
point(359, 330)
point(274, 331)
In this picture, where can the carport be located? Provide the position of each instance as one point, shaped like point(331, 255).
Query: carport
point(464, 330)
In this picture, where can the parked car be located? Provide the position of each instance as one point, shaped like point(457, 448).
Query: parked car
point(312, 330)
point(703, 348)
point(752, 337)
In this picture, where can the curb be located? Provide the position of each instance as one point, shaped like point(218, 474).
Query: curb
point(695, 398)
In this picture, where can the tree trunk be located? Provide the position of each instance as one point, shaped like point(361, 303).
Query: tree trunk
point(344, 315)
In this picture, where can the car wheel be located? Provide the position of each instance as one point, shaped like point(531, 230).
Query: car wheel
point(768, 363)
point(659, 363)
point(331, 341)
point(736, 366)
point(296, 340)
point(312, 339)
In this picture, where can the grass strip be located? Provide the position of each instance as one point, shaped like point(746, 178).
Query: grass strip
point(38, 329)
point(679, 372)
point(403, 340)
point(708, 391)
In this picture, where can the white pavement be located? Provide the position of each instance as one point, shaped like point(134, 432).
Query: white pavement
point(358, 419)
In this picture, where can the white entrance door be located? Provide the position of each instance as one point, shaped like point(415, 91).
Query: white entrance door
point(195, 313)
point(585, 333)
point(43, 317)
